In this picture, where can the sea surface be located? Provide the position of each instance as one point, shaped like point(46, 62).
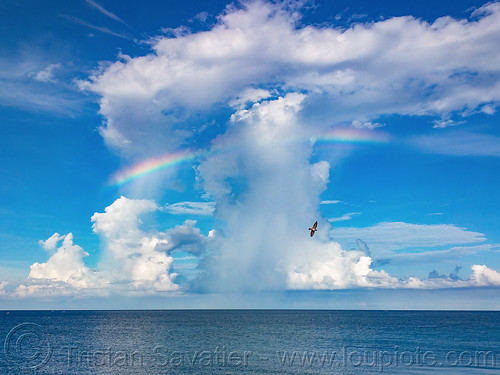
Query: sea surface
point(249, 342)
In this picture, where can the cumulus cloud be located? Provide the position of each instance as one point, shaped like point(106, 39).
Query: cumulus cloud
point(65, 269)
point(50, 243)
point(140, 259)
point(329, 267)
point(132, 255)
point(133, 260)
point(265, 190)
point(267, 194)
point(484, 276)
point(66, 264)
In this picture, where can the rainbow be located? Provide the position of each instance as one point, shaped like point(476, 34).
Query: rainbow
point(126, 175)
point(146, 167)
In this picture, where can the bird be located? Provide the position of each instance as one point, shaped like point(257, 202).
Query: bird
point(313, 229)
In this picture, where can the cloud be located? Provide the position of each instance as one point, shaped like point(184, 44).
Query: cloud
point(23, 84)
point(332, 268)
point(484, 276)
point(47, 74)
point(366, 125)
point(65, 269)
point(400, 65)
point(453, 276)
point(330, 202)
point(188, 238)
point(267, 195)
point(445, 123)
point(121, 219)
point(3, 284)
point(102, 29)
point(359, 274)
point(50, 243)
point(344, 217)
point(435, 256)
point(481, 276)
point(107, 13)
point(363, 246)
point(66, 264)
point(458, 143)
point(191, 208)
point(386, 237)
point(138, 259)
point(250, 95)
point(201, 17)
point(133, 256)
point(133, 260)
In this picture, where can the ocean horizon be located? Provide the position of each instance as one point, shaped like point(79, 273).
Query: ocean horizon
point(249, 341)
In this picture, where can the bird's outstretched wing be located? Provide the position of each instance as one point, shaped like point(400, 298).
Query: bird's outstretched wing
point(315, 225)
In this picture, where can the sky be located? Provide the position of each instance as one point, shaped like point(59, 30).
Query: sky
point(174, 154)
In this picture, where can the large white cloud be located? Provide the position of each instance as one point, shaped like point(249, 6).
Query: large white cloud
point(66, 264)
point(327, 266)
point(484, 276)
point(398, 65)
point(140, 259)
point(133, 260)
point(132, 255)
point(63, 273)
point(272, 200)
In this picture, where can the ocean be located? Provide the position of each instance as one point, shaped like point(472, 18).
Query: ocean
point(249, 342)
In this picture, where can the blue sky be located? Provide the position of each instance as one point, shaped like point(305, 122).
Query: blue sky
point(234, 127)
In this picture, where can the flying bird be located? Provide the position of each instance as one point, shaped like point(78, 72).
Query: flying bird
point(313, 229)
